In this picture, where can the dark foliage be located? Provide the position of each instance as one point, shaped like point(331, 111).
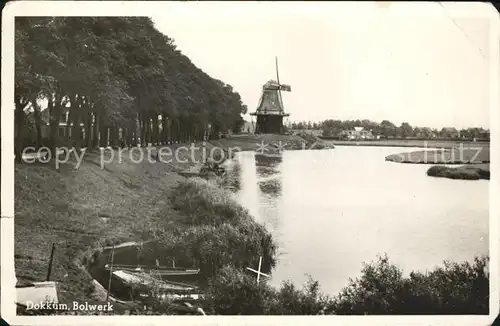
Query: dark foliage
point(119, 78)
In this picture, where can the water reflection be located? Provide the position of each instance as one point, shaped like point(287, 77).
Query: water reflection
point(268, 173)
point(232, 178)
point(268, 161)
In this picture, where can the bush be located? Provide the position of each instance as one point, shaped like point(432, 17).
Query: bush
point(463, 172)
point(453, 289)
point(205, 203)
point(214, 231)
point(291, 300)
point(234, 292)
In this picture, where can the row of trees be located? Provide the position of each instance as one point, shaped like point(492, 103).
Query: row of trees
point(387, 129)
point(120, 79)
point(303, 125)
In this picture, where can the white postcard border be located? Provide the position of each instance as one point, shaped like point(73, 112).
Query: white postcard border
point(145, 8)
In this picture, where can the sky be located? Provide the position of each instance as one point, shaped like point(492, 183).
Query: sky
point(379, 63)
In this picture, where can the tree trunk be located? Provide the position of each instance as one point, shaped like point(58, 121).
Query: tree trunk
point(88, 131)
point(133, 133)
point(164, 128)
point(156, 130)
point(38, 122)
point(171, 130)
point(76, 134)
point(95, 138)
point(181, 131)
point(113, 135)
point(177, 131)
point(130, 137)
point(72, 110)
point(103, 132)
point(55, 109)
point(147, 127)
point(174, 131)
point(19, 128)
point(143, 127)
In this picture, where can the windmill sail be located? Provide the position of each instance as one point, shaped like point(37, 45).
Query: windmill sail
point(286, 88)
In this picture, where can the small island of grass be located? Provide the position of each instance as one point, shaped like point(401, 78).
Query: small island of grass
point(463, 172)
point(472, 160)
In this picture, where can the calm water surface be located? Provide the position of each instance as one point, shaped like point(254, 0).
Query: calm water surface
point(332, 210)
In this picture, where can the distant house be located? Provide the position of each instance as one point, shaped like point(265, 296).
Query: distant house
point(247, 128)
point(358, 133)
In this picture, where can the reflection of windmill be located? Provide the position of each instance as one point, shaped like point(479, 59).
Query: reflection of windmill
point(270, 111)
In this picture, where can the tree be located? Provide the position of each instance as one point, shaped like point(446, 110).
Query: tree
point(388, 129)
point(406, 130)
point(115, 76)
point(449, 133)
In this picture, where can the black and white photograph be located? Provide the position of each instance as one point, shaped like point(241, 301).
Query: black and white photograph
point(249, 158)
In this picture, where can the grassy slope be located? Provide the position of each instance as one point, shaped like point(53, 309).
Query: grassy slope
point(67, 207)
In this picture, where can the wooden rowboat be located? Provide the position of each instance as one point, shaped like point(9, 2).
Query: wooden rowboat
point(161, 271)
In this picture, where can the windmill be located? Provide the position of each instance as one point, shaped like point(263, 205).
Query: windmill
point(270, 111)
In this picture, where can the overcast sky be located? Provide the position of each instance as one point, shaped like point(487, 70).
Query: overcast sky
point(426, 70)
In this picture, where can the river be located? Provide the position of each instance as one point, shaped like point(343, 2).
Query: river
point(332, 210)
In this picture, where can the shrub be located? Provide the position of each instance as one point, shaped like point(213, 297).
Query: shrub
point(291, 300)
point(456, 288)
point(205, 203)
point(464, 172)
point(234, 292)
point(214, 231)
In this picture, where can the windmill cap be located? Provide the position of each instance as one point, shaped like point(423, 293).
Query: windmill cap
point(271, 84)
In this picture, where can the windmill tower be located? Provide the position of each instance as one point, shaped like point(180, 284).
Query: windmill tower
point(270, 111)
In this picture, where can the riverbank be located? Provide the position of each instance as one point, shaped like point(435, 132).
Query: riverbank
point(446, 144)
point(83, 209)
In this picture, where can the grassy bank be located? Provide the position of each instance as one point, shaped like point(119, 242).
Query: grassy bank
point(273, 142)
